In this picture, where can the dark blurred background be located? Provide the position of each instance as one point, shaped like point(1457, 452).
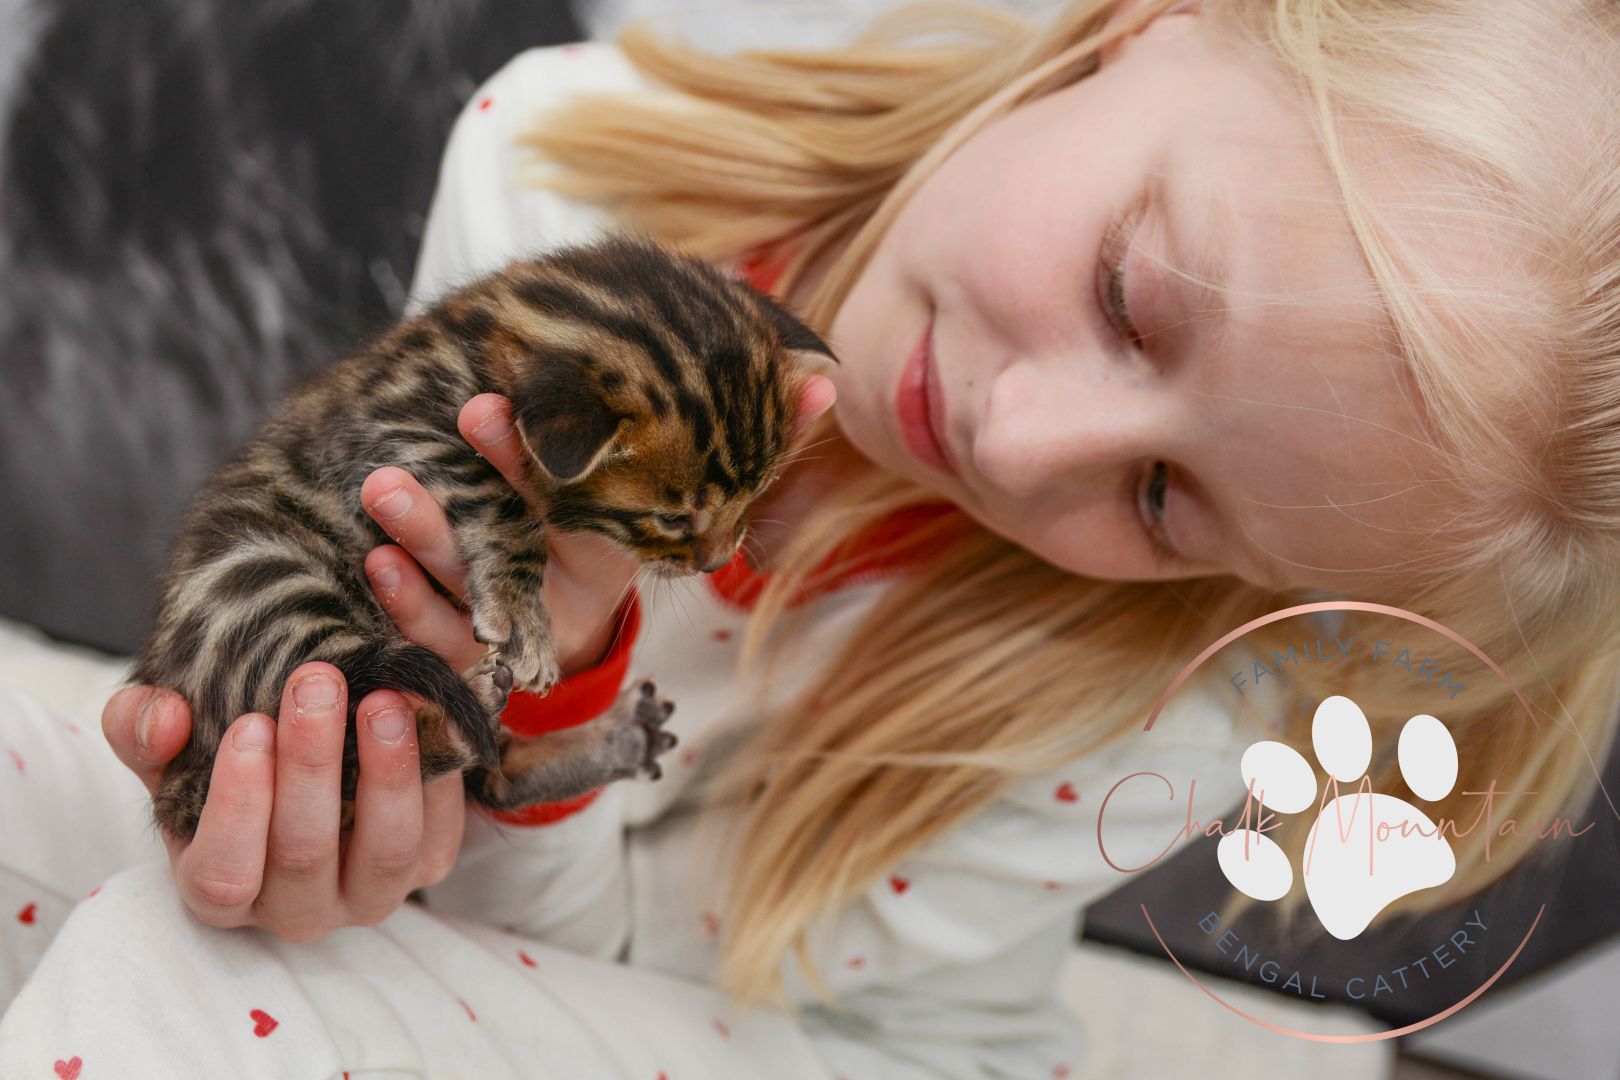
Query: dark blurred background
point(201, 200)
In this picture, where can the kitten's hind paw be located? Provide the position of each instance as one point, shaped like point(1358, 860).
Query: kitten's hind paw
point(491, 682)
point(645, 712)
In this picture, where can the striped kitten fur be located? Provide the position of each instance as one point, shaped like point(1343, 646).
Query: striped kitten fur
point(655, 398)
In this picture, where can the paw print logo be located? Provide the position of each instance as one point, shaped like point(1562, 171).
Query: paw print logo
point(1365, 850)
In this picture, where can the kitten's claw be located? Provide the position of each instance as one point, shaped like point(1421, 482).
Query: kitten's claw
point(491, 680)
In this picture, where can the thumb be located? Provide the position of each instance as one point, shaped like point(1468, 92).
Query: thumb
point(146, 727)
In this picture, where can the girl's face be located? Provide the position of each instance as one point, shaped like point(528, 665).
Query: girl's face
point(1274, 442)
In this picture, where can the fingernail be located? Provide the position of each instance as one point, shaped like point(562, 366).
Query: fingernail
point(254, 733)
point(318, 693)
point(394, 505)
point(492, 430)
point(386, 578)
point(146, 723)
point(388, 724)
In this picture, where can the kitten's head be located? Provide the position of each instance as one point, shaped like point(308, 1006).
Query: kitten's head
point(658, 396)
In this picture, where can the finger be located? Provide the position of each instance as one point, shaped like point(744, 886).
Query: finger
point(221, 871)
point(300, 894)
point(412, 517)
point(380, 866)
point(444, 818)
point(420, 612)
point(146, 727)
point(486, 423)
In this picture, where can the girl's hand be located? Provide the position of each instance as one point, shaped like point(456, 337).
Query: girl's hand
point(268, 851)
point(586, 576)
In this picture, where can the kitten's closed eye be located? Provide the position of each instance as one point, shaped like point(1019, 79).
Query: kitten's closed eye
point(679, 523)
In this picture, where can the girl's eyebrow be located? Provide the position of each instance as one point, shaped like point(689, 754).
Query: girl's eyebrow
point(1198, 241)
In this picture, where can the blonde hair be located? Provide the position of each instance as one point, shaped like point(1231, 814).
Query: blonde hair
point(985, 663)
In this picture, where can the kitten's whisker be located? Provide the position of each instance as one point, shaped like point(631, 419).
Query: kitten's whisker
point(624, 592)
point(813, 445)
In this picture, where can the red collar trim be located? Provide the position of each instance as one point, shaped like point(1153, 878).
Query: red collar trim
point(875, 553)
point(762, 267)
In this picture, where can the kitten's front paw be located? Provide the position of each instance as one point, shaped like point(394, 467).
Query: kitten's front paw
point(533, 659)
point(491, 624)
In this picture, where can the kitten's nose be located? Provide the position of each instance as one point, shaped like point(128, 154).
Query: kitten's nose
point(711, 557)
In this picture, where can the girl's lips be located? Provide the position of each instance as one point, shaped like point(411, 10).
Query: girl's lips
point(920, 405)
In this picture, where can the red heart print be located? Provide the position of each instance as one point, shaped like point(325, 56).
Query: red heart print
point(69, 1070)
point(711, 923)
point(1060, 1070)
point(74, 728)
point(721, 634)
point(690, 757)
point(1050, 885)
point(857, 962)
point(1065, 793)
point(94, 891)
point(899, 884)
point(527, 959)
point(485, 103)
point(21, 767)
point(263, 1022)
point(470, 1014)
point(720, 1026)
point(26, 915)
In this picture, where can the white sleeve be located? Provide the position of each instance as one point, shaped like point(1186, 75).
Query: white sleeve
point(486, 210)
point(564, 882)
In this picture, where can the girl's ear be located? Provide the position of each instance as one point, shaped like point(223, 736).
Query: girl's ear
point(560, 415)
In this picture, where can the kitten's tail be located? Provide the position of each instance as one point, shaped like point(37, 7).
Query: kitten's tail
point(384, 664)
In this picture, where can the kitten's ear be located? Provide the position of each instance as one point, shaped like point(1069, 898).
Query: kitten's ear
point(794, 333)
point(561, 415)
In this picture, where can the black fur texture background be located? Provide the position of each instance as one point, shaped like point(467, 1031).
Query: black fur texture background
point(200, 200)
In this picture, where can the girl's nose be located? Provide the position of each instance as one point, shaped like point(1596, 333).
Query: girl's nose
point(1052, 426)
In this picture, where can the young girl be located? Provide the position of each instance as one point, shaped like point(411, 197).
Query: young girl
point(1152, 320)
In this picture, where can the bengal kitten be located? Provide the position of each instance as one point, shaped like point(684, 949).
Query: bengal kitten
point(655, 398)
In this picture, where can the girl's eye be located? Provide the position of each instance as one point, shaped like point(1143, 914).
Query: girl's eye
point(675, 522)
point(1111, 281)
point(1153, 494)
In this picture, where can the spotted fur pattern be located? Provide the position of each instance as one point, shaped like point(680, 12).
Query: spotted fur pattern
point(655, 398)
